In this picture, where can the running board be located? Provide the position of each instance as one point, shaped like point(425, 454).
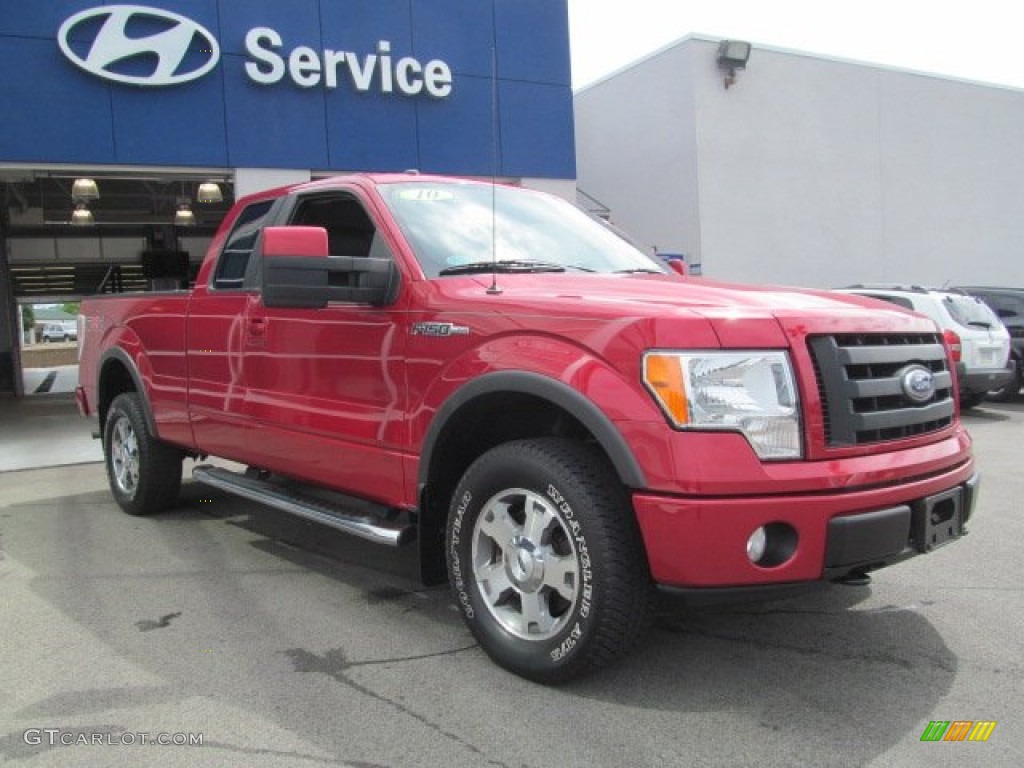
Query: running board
point(366, 520)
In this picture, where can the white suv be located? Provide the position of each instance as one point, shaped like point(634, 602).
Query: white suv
point(979, 341)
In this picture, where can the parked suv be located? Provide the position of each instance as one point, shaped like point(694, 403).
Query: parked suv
point(979, 341)
point(57, 332)
point(1008, 304)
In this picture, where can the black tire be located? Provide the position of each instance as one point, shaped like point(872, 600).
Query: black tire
point(1008, 392)
point(558, 510)
point(144, 473)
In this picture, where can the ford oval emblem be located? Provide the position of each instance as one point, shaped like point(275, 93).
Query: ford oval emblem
point(108, 36)
point(918, 384)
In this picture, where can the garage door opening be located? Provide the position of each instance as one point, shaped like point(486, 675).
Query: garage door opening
point(71, 233)
point(49, 348)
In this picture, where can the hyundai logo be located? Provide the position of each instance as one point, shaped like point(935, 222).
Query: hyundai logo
point(918, 383)
point(172, 48)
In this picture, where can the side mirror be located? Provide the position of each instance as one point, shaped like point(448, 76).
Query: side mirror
point(676, 262)
point(292, 241)
point(298, 272)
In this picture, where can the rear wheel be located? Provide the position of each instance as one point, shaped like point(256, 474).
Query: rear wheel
point(545, 559)
point(144, 473)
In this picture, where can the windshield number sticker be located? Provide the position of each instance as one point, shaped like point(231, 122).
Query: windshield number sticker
point(426, 195)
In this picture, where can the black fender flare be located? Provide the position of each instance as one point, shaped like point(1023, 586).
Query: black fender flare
point(560, 394)
point(120, 356)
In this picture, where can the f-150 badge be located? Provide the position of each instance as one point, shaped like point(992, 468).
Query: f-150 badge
point(439, 329)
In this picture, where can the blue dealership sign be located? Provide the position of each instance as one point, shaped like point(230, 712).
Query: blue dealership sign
point(449, 86)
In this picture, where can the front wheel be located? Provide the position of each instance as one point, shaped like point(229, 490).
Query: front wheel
point(144, 473)
point(545, 559)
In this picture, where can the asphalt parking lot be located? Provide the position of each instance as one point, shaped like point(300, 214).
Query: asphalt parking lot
point(280, 643)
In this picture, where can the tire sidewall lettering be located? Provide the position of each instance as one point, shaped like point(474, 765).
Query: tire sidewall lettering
point(467, 594)
point(586, 591)
point(455, 559)
point(559, 513)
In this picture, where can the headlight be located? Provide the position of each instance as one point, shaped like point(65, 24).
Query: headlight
point(751, 392)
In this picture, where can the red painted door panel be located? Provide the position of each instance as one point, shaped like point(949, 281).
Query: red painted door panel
point(216, 376)
point(325, 393)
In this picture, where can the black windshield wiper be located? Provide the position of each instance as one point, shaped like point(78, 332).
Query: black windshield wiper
point(639, 271)
point(479, 267)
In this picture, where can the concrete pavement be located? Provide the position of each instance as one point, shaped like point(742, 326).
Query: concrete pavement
point(286, 644)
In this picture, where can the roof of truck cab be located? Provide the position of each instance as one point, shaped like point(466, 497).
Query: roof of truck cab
point(382, 178)
point(364, 180)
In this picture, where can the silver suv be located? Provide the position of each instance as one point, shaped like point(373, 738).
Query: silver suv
point(979, 341)
point(57, 332)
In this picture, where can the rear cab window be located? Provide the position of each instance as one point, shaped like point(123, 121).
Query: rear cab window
point(236, 269)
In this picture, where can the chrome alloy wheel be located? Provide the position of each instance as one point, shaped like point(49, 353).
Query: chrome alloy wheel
point(525, 564)
point(124, 457)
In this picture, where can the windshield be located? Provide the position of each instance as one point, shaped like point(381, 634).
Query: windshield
point(450, 228)
point(970, 312)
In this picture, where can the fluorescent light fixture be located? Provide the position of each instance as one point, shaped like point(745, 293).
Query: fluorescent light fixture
point(184, 217)
point(209, 192)
point(82, 216)
point(84, 189)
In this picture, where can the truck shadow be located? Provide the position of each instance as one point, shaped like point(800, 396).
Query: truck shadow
point(802, 669)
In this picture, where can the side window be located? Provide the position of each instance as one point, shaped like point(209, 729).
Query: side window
point(1006, 306)
point(350, 230)
point(234, 271)
point(1015, 305)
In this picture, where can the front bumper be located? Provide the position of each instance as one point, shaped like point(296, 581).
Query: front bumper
point(701, 542)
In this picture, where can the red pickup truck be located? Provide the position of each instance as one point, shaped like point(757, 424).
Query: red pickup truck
point(559, 421)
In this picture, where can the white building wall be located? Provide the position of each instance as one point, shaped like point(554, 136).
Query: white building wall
point(810, 171)
point(953, 180)
point(636, 150)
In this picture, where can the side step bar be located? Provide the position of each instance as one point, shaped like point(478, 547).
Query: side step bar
point(372, 522)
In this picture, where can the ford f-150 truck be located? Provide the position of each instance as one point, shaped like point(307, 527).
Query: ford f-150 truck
point(559, 421)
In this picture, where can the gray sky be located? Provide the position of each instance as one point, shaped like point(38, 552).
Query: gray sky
point(977, 40)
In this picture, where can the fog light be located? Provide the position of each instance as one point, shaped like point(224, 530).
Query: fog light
point(756, 544)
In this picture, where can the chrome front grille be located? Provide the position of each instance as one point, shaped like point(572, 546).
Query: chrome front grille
point(861, 385)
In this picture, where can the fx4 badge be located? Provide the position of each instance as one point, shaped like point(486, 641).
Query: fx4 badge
point(439, 329)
